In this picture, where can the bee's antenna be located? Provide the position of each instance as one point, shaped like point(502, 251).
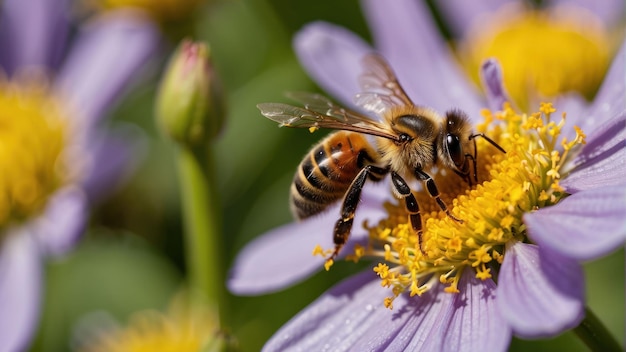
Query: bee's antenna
point(488, 140)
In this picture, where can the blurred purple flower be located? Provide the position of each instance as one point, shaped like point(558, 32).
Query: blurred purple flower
point(574, 34)
point(540, 291)
point(107, 53)
point(461, 15)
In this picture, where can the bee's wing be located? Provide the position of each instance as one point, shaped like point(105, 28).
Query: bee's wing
point(381, 89)
point(317, 102)
point(320, 112)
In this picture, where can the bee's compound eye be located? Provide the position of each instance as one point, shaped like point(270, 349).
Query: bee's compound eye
point(455, 152)
point(403, 137)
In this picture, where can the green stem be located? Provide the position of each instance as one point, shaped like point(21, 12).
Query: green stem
point(595, 335)
point(201, 216)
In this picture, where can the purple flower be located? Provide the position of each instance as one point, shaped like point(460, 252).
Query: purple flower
point(531, 225)
point(56, 156)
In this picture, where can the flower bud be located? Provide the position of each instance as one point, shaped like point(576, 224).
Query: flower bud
point(190, 106)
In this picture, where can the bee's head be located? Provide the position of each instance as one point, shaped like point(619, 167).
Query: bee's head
point(456, 149)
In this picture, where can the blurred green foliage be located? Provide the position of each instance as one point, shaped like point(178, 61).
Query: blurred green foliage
point(133, 259)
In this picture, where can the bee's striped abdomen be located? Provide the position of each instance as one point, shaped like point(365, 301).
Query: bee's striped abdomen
point(327, 171)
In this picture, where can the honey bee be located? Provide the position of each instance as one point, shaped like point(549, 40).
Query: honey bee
point(408, 141)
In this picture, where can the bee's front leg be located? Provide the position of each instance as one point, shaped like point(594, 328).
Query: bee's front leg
point(434, 193)
point(404, 191)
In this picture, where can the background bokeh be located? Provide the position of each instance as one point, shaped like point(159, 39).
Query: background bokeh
point(132, 257)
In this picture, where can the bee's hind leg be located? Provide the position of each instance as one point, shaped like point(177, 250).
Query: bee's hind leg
point(343, 227)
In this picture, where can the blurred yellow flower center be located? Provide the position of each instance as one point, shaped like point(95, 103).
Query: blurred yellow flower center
point(542, 54)
point(182, 329)
point(160, 10)
point(524, 179)
point(32, 139)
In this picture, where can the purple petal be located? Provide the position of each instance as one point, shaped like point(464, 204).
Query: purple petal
point(602, 160)
point(491, 75)
point(611, 97)
point(476, 325)
point(417, 324)
point(330, 322)
point(116, 154)
point(63, 222)
point(406, 34)
point(609, 12)
point(332, 56)
point(351, 316)
point(460, 15)
point(583, 226)
point(540, 293)
point(20, 287)
point(32, 33)
point(109, 52)
point(283, 256)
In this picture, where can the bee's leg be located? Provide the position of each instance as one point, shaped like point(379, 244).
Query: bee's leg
point(473, 159)
point(404, 191)
point(466, 173)
point(434, 192)
point(466, 177)
point(350, 203)
point(466, 169)
point(475, 156)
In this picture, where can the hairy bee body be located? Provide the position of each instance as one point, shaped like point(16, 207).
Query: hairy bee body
point(326, 172)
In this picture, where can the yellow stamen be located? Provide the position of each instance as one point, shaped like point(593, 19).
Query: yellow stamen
point(546, 108)
point(389, 302)
point(359, 251)
point(328, 263)
point(319, 251)
point(483, 272)
point(382, 270)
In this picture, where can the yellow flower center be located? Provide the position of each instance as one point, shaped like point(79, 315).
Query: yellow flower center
point(523, 180)
point(547, 53)
point(161, 10)
point(32, 139)
point(184, 328)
